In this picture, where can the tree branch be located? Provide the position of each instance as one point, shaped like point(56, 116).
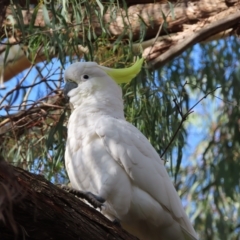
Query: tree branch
point(214, 28)
point(34, 208)
point(180, 22)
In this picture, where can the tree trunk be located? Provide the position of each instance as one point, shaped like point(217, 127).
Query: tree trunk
point(170, 29)
point(33, 208)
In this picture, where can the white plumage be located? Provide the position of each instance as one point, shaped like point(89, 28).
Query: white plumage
point(110, 158)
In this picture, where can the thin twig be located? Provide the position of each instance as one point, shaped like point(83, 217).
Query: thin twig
point(23, 79)
point(184, 117)
point(177, 106)
point(203, 98)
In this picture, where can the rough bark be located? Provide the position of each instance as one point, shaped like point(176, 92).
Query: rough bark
point(33, 208)
point(186, 19)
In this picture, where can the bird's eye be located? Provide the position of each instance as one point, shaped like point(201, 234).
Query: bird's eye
point(85, 77)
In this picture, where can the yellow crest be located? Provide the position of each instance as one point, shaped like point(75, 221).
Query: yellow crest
point(124, 75)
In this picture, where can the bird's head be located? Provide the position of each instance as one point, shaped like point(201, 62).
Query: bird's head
point(85, 77)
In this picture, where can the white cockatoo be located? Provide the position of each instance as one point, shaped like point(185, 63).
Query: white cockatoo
point(111, 159)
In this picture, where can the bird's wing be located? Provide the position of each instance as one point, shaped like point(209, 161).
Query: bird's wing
point(131, 149)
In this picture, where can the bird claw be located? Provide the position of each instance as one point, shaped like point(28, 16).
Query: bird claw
point(117, 222)
point(94, 200)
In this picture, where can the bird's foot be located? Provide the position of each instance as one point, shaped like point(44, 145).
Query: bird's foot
point(117, 222)
point(94, 200)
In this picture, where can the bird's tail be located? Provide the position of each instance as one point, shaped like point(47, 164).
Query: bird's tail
point(187, 235)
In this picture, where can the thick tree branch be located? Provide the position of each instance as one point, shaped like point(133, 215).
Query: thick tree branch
point(222, 25)
point(181, 20)
point(32, 207)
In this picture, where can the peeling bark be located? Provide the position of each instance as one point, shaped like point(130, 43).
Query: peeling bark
point(223, 27)
point(186, 19)
point(33, 208)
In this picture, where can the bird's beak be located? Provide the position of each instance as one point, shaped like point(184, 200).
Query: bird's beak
point(68, 87)
point(124, 75)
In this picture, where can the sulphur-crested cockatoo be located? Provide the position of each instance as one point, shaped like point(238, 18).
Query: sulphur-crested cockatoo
point(110, 158)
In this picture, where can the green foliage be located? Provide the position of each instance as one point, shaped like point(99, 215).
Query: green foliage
point(65, 25)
